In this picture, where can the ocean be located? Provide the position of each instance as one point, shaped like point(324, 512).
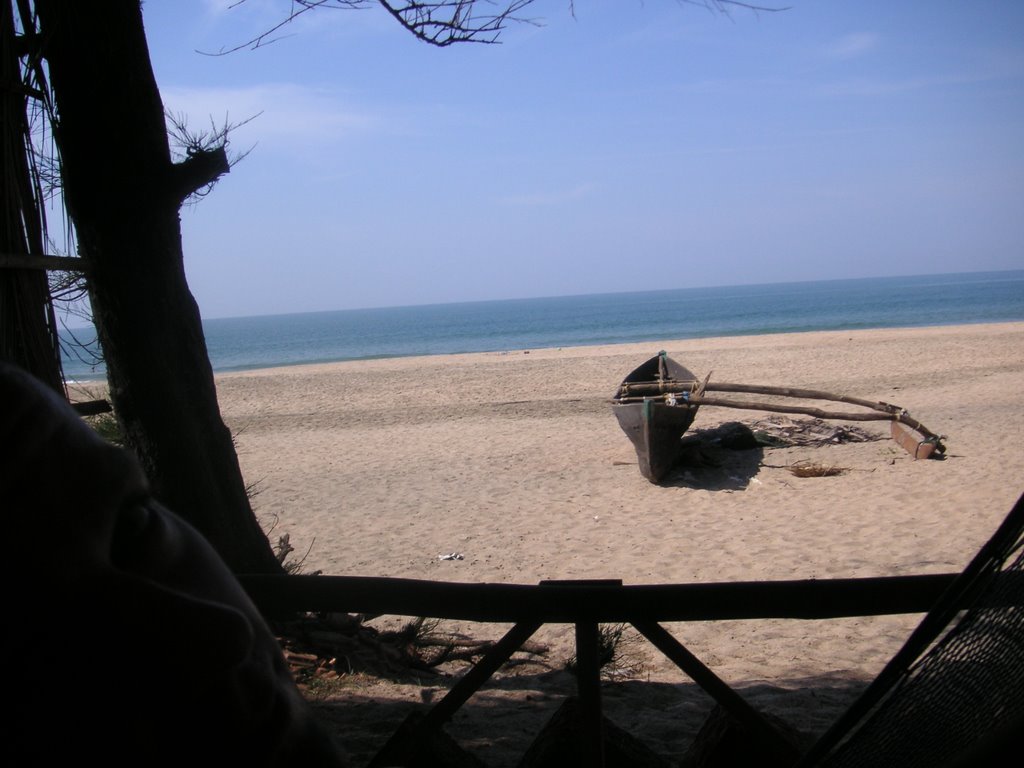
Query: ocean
point(517, 324)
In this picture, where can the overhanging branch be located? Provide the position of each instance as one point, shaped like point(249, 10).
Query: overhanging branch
point(441, 23)
point(446, 22)
point(456, 21)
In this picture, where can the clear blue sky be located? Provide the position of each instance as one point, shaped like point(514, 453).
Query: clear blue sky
point(639, 145)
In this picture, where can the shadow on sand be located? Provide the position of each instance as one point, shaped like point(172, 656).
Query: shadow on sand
point(722, 458)
point(498, 724)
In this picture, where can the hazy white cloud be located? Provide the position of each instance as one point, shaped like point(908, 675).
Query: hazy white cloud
point(218, 7)
point(236, 10)
point(853, 45)
point(864, 87)
point(552, 197)
point(241, 22)
point(284, 112)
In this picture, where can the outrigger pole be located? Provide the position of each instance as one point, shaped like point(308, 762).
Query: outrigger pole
point(694, 393)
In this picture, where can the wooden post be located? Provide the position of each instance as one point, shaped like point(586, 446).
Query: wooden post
point(588, 684)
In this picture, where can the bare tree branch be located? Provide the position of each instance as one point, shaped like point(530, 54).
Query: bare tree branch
point(724, 6)
point(298, 8)
point(456, 21)
point(446, 22)
point(440, 23)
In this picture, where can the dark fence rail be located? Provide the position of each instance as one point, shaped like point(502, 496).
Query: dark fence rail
point(586, 604)
point(601, 601)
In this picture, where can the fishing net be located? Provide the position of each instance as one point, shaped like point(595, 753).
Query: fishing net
point(959, 677)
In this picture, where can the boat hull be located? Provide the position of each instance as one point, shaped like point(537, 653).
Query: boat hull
point(654, 426)
point(655, 429)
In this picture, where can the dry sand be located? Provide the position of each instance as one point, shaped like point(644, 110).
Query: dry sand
point(515, 461)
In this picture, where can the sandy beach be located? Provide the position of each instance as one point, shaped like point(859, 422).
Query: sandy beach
point(514, 461)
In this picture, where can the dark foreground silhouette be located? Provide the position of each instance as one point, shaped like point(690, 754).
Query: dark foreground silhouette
point(126, 639)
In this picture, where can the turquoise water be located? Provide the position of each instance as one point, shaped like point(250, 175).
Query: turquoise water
point(358, 334)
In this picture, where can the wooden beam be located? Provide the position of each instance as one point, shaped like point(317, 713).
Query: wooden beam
point(878, 411)
point(479, 674)
point(752, 405)
point(761, 730)
point(48, 263)
point(695, 388)
point(403, 748)
point(604, 603)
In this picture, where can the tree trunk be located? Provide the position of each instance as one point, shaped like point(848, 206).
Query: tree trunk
point(124, 192)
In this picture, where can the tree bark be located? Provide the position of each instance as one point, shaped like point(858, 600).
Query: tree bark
point(124, 193)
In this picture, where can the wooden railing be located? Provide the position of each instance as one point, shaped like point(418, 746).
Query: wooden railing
point(586, 604)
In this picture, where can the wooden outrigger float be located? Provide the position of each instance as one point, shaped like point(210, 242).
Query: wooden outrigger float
point(658, 401)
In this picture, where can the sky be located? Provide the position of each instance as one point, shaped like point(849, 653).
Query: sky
point(611, 145)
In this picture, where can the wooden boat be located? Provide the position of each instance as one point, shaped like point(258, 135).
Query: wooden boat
point(655, 423)
point(658, 401)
